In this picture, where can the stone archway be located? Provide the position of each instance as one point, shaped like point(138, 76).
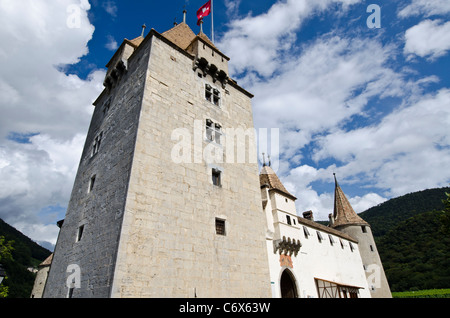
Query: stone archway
point(287, 285)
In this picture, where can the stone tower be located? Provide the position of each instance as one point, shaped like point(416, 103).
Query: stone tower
point(346, 220)
point(159, 207)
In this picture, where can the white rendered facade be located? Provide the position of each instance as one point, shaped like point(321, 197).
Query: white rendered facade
point(313, 255)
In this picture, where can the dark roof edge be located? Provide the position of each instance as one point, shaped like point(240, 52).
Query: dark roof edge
point(327, 229)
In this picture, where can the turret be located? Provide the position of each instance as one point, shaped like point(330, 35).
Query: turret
point(345, 219)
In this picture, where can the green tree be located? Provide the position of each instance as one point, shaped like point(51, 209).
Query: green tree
point(5, 254)
point(445, 218)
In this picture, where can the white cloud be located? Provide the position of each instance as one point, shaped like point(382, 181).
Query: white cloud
point(110, 7)
point(232, 7)
point(322, 88)
point(361, 204)
point(430, 39)
point(255, 47)
point(38, 99)
point(111, 44)
point(316, 91)
point(409, 148)
point(36, 175)
point(425, 7)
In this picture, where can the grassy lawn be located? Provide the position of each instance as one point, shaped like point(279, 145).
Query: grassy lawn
point(431, 293)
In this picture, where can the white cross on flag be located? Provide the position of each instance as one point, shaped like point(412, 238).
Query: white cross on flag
point(204, 11)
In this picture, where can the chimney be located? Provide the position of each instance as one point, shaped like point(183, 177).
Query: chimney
point(308, 215)
point(330, 217)
point(184, 15)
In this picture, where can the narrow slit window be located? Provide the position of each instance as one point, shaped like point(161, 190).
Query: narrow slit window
point(216, 97)
point(106, 108)
point(288, 219)
point(91, 183)
point(80, 233)
point(220, 227)
point(216, 177)
point(217, 133)
point(70, 294)
point(208, 92)
point(96, 144)
point(352, 248)
point(319, 236)
point(209, 130)
point(331, 239)
point(306, 232)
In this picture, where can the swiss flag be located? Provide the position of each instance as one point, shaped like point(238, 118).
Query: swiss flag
point(204, 11)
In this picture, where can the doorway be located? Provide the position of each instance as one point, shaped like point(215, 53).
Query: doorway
point(287, 285)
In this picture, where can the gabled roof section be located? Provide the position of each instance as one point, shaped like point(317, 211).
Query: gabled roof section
point(136, 42)
point(47, 262)
point(204, 38)
point(181, 35)
point(343, 211)
point(269, 178)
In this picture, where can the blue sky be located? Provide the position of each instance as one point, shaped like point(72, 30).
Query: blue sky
point(369, 104)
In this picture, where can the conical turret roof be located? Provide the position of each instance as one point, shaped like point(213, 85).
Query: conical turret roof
point(269, 178)
point(343, 211)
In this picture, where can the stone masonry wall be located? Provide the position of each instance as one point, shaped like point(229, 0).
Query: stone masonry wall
point(100, 210)
point(169, 246)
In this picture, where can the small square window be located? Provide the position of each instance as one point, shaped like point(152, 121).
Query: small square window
point(212, 95)
point(216, 177)
point(213, 131)
point(220, 227)
point(363, 228)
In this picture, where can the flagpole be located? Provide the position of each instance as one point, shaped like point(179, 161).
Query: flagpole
point(212, 20)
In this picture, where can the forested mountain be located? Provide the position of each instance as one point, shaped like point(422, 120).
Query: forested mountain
point(26, 253)
point(385, 216)
point(416, 254)
point(413, 243)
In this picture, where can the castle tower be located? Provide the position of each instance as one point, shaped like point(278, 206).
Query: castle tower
point(346, 220)
point(159, 208)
